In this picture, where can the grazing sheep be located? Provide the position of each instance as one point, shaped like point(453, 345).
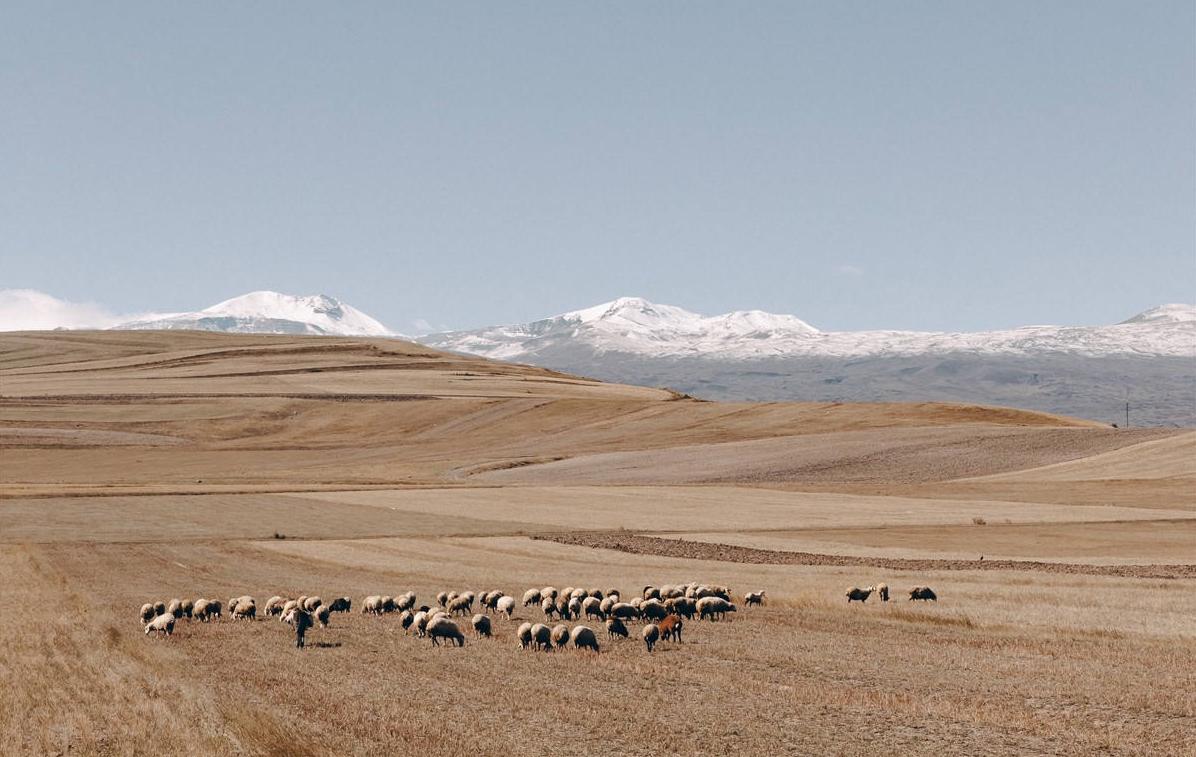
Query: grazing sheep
point(583, 638)
point(174, 607)
point(505, 605)
point(595, 594)
point(924, 593)
point(420, 623)
point(753, 598)
point(716, 608)
point(206, 609)
point(670, 628)
point(531, 597)
point(442, 598)
point(274, 605)
point(578, 594)
point(443, 628)
point(608, 602)
point(524, 634)
point(613, 593)
point(244, 609)
point(549, 608)
point(481, 624)
point(592, 607)
point(683, 606)
point(624, 611)
point(460, 606)
point(493, 598)
point(651, 634)
point(371, 605)
point(548, 592)
point(651, 592)
point(187, 608)
point(147, 612)
point(856, 594)
point(161, 625)
point(405, 601)
point(653, 610)
point(882, 591)
point(340, 604)
point(388, 604)
point(322, 614)
point(574, 608)
point(311, 604)
point(560, 634)
point(615, 627)
point(405, 620)
point(542, 636)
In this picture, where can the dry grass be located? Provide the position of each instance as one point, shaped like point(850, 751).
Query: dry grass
point(208, 445)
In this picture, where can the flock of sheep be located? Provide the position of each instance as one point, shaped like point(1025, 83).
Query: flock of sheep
point(662, 610)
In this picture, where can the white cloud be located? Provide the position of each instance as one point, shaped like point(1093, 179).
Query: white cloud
point(849, 270)
point(31, 310)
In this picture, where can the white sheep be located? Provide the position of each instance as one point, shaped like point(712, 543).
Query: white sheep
point(531, 597)
point(753, 598)
point(505, 605)
point(651, 634)
point(162, 625)
point(715, 607)
point(147, 612)
point(524, 634)
point(856, 594)
point(560, 635)
point(274, 605)
point(481, 624)
point(444, 628)
point(542, 636)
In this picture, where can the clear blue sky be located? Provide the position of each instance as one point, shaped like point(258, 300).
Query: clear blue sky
point(953, 165)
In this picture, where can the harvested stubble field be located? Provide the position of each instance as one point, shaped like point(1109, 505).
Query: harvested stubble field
point(143, 466)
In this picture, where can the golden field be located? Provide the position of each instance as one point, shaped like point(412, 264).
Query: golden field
point(140, 466)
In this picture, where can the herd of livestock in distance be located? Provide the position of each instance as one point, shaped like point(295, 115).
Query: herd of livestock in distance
point(661, 610)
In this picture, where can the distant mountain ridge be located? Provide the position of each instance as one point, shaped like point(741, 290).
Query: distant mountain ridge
point(636, 326)
point(1084, 371)
point(265, 312)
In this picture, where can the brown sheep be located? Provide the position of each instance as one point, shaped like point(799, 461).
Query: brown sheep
point(670, 628)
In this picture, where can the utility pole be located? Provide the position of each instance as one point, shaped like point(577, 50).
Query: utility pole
point(1127, 407)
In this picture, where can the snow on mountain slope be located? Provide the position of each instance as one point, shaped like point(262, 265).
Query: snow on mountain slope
point(271, 313)
point(635, 326)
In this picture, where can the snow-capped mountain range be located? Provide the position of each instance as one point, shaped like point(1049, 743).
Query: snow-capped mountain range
point(270, 313)
point(634, 326)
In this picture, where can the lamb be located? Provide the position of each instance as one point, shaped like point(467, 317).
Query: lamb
point(531, 597)
point(882, 590)
point(147, 612)
point(161, 625)
point(560, 634)
point(924, 593)
point(583, 638)
point(341, 604)
point(274, 605)
point(615, 627)
point(592, 607)
point(856, 594)
point(524, 634)
point(481, 625)
point(542, 636)
point(443, 628)
point(651, 634)
point(670, 628)
point(754, 598)
point(716, 608)
point(505, 605)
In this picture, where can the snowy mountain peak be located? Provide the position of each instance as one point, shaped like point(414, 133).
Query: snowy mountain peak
point(271, 313)
point(1172, 313)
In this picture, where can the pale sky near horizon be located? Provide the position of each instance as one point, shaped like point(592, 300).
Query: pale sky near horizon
point(939, 166)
